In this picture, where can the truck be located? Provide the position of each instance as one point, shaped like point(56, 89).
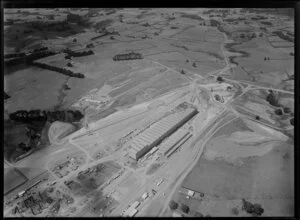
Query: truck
point(131, 212)
point(20, 194)
point(159, 182)
point(135, 205)
point(145, 196)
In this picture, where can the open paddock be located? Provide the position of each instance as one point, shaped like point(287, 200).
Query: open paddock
point(210, 48)
point(193, 33)
point(32, 88)
point(12, 179)
point(214, 36)
point(280, 44)
point(261, 177)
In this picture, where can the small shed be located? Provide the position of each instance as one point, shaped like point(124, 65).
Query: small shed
point(176, 214)
point(191, 193)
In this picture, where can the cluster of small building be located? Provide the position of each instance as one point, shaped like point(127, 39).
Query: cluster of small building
point(157, 132)
point(34, 204)
point(132, 210)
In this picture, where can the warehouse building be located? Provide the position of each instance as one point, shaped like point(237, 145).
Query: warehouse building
point(159, 131)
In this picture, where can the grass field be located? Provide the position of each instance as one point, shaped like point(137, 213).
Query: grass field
point(12, 179)
point(32, 88)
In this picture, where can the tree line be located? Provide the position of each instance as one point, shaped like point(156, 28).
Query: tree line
point(14, 55)
point(28, 59)
point(54, 25)
point(59, 70)
point(77, 54)
point(43, 116)
point(283, 36)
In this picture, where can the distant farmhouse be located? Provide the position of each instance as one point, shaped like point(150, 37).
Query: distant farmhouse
point(128, 56)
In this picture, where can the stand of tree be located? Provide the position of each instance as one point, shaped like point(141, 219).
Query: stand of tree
point(43, 116)
point(40, 49)
point(50, 26)
point(29, 58)
point(77, 54)
point(184, 208)
point(272, 99)
point(173, 205)
point(128, 56)
point(266, 23)
point(13, 55)
point(283, 36)
point(214, 23)
point(254, 209)
point(59, 70)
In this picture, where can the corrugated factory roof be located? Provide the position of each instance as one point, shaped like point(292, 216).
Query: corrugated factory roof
point(159, 129)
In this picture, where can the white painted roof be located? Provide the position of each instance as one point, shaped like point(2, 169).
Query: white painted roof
point(191, 193)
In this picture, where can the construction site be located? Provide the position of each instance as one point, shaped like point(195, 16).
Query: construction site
point(184, 112)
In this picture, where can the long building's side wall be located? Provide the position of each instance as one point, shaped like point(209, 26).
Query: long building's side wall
point(177, 145)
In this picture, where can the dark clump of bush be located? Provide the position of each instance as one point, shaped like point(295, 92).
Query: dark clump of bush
point(286, 110)
point(235, 211)
point(220, 79)
point(173, 205)
point(292, 121)
point(278, 112)
point(6, 96)
point(254, 209)
point(272, 100)
point(198, 214)
point(185, 208)
point(257, 117)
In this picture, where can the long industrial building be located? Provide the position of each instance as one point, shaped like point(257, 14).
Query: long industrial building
point(145, 141)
